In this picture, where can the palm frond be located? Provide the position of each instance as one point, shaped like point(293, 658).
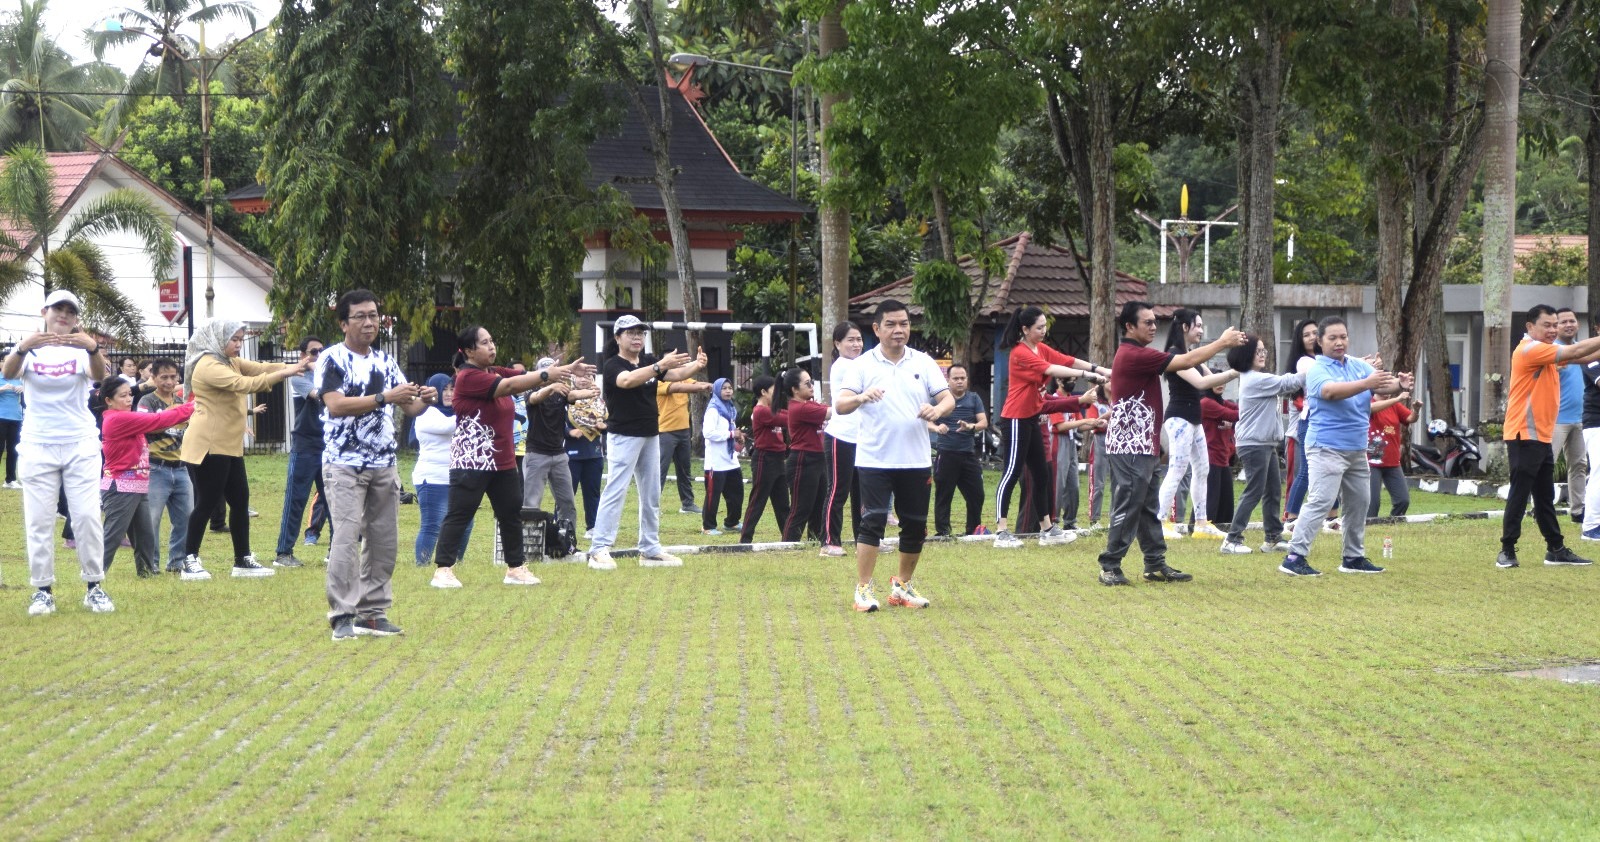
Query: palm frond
point(27, 196)
point(127, 211)
point(81, 267)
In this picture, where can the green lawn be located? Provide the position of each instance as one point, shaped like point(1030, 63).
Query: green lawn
point(740, 697)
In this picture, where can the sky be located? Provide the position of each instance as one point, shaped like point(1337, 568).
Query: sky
point(66, 20)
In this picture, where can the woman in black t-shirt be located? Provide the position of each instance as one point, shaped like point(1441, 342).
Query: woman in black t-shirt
point(1186, 438)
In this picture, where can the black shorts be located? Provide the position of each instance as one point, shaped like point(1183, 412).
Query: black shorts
point(910, 489)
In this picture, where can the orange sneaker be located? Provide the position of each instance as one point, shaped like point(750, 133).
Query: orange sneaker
point(903, 594)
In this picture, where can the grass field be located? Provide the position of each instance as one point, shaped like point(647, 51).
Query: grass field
point(740, 697)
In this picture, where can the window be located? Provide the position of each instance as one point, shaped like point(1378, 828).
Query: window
point(709, 299)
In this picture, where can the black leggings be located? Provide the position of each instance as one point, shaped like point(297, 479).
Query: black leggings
point(10, 433)
point(807, 483)
point(729, 486)
point(1024, 447)
point(221, 478)
point(467, 488)
point(840, 459)
point(766, 481)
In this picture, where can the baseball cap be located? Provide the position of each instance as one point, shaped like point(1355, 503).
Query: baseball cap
point(627, 323)
point(543, 363)
point(61, 296)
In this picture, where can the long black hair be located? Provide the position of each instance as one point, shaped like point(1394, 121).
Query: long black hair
point(1182, 319)
point(1297, 348)
point(466, 340)
point(1020, 320)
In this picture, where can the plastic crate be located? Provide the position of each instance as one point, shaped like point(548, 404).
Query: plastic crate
point(534, 522)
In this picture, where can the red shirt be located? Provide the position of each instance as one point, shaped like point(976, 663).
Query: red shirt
point(805, 425)
point(1220, 445)
point(1134, 427)
point(124, 449)
point(484, 430)
point(766, 428)
point(1027, 378)
point(1390, 424)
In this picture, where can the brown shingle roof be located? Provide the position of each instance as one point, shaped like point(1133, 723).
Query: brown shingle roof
point(1048, 277)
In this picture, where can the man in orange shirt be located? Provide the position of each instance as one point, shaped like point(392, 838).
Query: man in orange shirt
point(1530, 423)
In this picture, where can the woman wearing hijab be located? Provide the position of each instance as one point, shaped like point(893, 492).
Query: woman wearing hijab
point(435, 428)
point(213, 446)
point(724, 480)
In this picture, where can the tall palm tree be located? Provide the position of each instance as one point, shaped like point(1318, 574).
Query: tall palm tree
point(157, 22)
point(44, 97)
point(38, 244)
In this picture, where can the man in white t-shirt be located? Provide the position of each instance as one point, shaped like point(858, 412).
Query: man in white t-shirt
point(60, 447)
point(897, 390)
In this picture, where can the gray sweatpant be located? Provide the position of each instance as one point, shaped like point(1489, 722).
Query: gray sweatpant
point(629, 458)
point(1264, 485)
point(539, 467)
point(1135, 501)
point(1335, 476)
point(364, 506)
point(128, 513)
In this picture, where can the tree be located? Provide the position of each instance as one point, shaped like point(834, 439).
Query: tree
point(54, 256)
point(1503, 69)
point(45, 98)
point(522, 207)
point(352, 159)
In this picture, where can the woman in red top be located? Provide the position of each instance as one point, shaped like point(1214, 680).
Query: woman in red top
point(483, 457)
point(1387, 430)
point(1033, 363)
point(1217, 418)
point(806, 469)
point(125, 479)
point(766, 462)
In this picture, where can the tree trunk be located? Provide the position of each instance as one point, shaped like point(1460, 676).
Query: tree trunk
point(1392, 230)
point(1441, 397)
point(1103, 218)
point(1592, 152)
point(1503, 67)
point(660, 129)
point(833, 220)
point(941, 221)
point(1260, 100)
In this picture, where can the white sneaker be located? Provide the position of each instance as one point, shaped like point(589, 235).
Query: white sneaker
point(865, 599)
point(97, 601)
point(1205, 529)
point(445, 577)
point(1231, 548)
point(660, 559)
point(1057, 536)
point(575, 558)
point(1275, 547)
point(1330, 525)
point(14, 485)
point(248, 568)
point(601, 560)
point(1169, 531)
point(192, 571)
point(1004, 540)
point(903, 593)
point(41, 604)
point(518, 576)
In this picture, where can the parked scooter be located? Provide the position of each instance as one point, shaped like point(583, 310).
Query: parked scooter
point(1459, 459)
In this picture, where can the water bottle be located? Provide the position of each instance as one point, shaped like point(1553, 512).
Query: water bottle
point(1388, 548)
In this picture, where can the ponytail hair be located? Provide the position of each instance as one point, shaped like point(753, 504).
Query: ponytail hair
point(1020, 320)
point(789, 383)
point(1182, 319)
point(466, 340)
point(763, 383)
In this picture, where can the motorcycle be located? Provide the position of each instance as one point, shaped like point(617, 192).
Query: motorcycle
point(1459, 459)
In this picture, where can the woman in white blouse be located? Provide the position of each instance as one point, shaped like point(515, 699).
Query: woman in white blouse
point(435, 428)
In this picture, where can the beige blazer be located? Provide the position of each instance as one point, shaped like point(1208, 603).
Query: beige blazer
point(217, 425)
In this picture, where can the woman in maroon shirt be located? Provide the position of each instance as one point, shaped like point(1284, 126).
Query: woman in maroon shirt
point(766, 463)
point(806, 474)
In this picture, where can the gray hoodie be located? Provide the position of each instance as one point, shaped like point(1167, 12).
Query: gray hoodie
point(1258, 406)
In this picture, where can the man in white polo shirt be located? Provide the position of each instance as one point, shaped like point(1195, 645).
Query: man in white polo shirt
point(897, 390)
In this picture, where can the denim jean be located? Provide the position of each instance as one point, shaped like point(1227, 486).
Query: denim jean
point(305, 471)
point(171, 489)
point(433, 500)
point(1302, 478)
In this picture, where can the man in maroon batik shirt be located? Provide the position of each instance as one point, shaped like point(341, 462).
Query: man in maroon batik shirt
point(1133, 442)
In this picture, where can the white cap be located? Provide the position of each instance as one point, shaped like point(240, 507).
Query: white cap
point(61, 296)
point(543, 363)
point(627, 323)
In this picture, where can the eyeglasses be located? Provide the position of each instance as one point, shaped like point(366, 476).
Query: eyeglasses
point(363, 317)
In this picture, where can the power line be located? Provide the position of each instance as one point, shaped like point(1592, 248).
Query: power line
point(132, 95)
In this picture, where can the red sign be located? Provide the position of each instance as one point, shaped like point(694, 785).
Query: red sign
point(171, 298)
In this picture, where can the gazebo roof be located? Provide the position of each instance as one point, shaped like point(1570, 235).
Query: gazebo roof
point(1049, 277)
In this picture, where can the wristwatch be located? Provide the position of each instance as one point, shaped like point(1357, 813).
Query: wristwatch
point(656, 367)
point(544, 376)
point(380, 399)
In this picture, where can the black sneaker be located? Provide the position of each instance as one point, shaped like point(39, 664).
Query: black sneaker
point(342, 630)
point(1565, 557)
point(1296, 566)
point(1166, 574)
point(287, 560)
point(1359, 565)
point(249, 568)
point(1113, 577)
point(1505, 560)
point(1577, 517)
point(377, 627)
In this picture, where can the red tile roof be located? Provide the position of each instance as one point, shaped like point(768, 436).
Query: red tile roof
point(1048, 277)
point(1524, 245)
point(72, 170)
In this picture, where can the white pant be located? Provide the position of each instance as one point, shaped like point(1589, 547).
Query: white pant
point(46, 469)
point(1591, 492)
point(630, 458)
point(1186, 454)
